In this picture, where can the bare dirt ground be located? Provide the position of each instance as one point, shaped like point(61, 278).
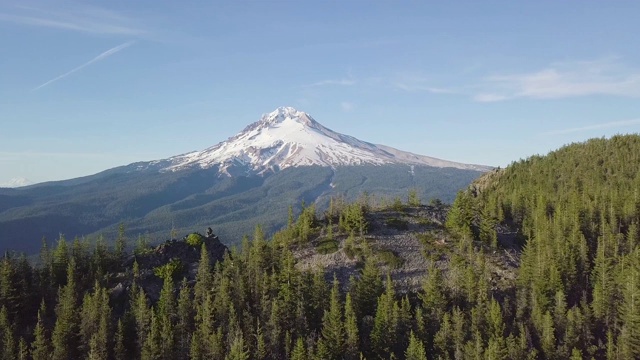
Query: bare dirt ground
point(399, 235)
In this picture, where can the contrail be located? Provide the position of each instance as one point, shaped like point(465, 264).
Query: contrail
point(102, 56)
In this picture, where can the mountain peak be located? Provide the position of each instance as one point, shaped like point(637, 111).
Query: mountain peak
point(285, 113)
point(16, 182)
point(287, 137)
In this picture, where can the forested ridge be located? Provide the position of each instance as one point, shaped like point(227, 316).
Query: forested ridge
point(576, 213)
point(568, 221)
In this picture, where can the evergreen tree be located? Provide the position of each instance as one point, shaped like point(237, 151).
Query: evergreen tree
point(629, 338)
point(384, 334)
point(351, 330)
point(141, 315)
point(165, 315)
point(333, 332)
point(40, 347)
point(7, 336)
point(121, 243)
point(367, 288)
point(152, 347)
point(204, 281)
point(23, 349)
point(299, 351)
point(120, 351)
point(184, 325)
point(415, 350)
point(238, 349)
point(65, 333)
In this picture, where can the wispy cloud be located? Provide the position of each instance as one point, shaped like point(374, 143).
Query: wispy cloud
point(607, 125)
point(347, 106)
point(418, 82)
point(81, 18)
point(425, 88)
point(102, 56)
point(561, 80)
point(339, 82)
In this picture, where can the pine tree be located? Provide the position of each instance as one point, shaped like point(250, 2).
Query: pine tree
point(261, 345)
point(165, 315)
point(351, 330)
point(443, 340)
point(603, 284)
point(433, 300)
point(547, 337)
point(576, 354)
point(8, 338)
point(415, 350)
point(141, 315)
point(60, 259)
point(152, 347)
point(385, 325)
point(367, 288)
point(204, 281)
point(299, 351)
point(95, 320)
point(238, 350)
point(629, 312)
point(23, 349)
point(497, 346)
point(65, 333)
point(184, 325)
point(119, 351)
point(333, 331)
point(40, 347)
point(121, 243)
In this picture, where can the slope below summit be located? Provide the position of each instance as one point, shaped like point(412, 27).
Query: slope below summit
point(287, 137)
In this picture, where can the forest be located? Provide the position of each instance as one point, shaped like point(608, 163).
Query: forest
point(571, 218)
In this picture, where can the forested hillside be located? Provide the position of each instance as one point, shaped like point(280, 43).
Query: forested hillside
point(152, 203)
point(537, 261)
point(575, 212)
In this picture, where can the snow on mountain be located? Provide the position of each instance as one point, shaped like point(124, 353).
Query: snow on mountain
point(287, 137)
point(16, 182)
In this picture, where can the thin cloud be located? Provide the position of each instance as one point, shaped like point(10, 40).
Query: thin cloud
point(338, 82)
point(87, 19)
point(417, 82)
point(347, 106)
point(607, 125)
point(429, 89)
point(102, 56)
point(563, 80)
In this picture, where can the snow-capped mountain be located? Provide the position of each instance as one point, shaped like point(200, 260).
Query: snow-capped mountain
point(287, 137)
point(16, 182)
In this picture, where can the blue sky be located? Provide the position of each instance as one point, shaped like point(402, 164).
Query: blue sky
point(86, 86)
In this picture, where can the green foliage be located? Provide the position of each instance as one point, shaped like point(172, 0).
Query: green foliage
point(171, 270)
point(142, 245)
point(194, 239)
point(574, 293)
point(415, 350)
point(412, 198)
point(327, 246)
point(352, 219)
point(397, 204)
point(389, 258)
point(396, 223)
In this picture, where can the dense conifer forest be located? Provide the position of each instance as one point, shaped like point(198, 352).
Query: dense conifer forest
point(569, 221)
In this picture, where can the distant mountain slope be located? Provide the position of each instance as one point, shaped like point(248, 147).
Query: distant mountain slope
point(251, 179)
point(16, 182)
